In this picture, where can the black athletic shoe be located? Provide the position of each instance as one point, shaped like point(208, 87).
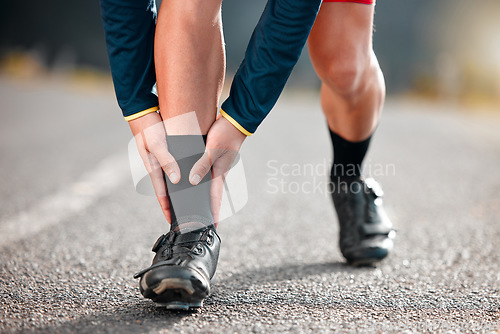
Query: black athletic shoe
point(180, 275)
point(366, 233)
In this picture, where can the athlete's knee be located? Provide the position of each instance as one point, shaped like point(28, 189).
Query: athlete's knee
point(344, 74)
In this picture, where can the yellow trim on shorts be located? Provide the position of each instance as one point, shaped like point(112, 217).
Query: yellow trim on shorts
point(236, 124)
point(141, 113)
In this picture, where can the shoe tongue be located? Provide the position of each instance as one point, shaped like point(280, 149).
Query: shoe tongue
point(189, 235)
point(193, 226)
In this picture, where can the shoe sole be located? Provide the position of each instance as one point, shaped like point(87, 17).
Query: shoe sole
point(370, 257)
point(179, 306)
point(365, 262)
point(174, 294)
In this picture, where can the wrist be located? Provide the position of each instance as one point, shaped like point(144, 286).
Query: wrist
point(137, 125)
point(234, 123)
point(141, 113)
point(235, 135)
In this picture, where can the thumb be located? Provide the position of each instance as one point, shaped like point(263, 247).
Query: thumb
point(167, 162)
point(201, 167)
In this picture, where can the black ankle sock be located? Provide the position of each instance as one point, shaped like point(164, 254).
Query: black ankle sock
point(347, 156)
point(188, 203)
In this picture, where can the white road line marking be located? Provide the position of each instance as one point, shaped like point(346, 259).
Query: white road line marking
point(70, 200)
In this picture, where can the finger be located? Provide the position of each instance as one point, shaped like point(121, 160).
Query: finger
point(160, 187)
point(201, 168)
point(165, 208)
point(170, 167)
point(224, 162)
point(161, 192)
point(167, 161)
point(220, 169)
point(155, 142)
point(216, 190)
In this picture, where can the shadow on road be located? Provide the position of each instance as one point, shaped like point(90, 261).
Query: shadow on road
point(135, 317)
point(262, 285)
point(285, 272)
point(142, 315)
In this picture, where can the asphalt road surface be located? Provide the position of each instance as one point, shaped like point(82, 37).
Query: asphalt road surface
point(73, 230)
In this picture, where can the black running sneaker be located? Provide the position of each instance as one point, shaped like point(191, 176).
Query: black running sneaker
point(366, 233)
point(180, 275)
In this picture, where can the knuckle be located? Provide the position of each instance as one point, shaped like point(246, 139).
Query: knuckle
point(199, 169)
point(150, 162)
point(202, 168)
point(205, 168)
point(220, 169)
point(156, 145)
point(169, 166)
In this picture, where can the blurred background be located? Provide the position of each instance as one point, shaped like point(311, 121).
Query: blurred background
point(435, 49)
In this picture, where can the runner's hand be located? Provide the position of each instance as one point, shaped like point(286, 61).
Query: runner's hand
point(150, 136)
point(223, 143)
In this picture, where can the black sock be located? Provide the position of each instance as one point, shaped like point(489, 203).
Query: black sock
point(188, 203)
point(347, 156)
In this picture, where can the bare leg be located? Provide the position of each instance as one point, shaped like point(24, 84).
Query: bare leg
point(190, 63)
point(353, 89)
point(190, 67)
point(352, 95)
